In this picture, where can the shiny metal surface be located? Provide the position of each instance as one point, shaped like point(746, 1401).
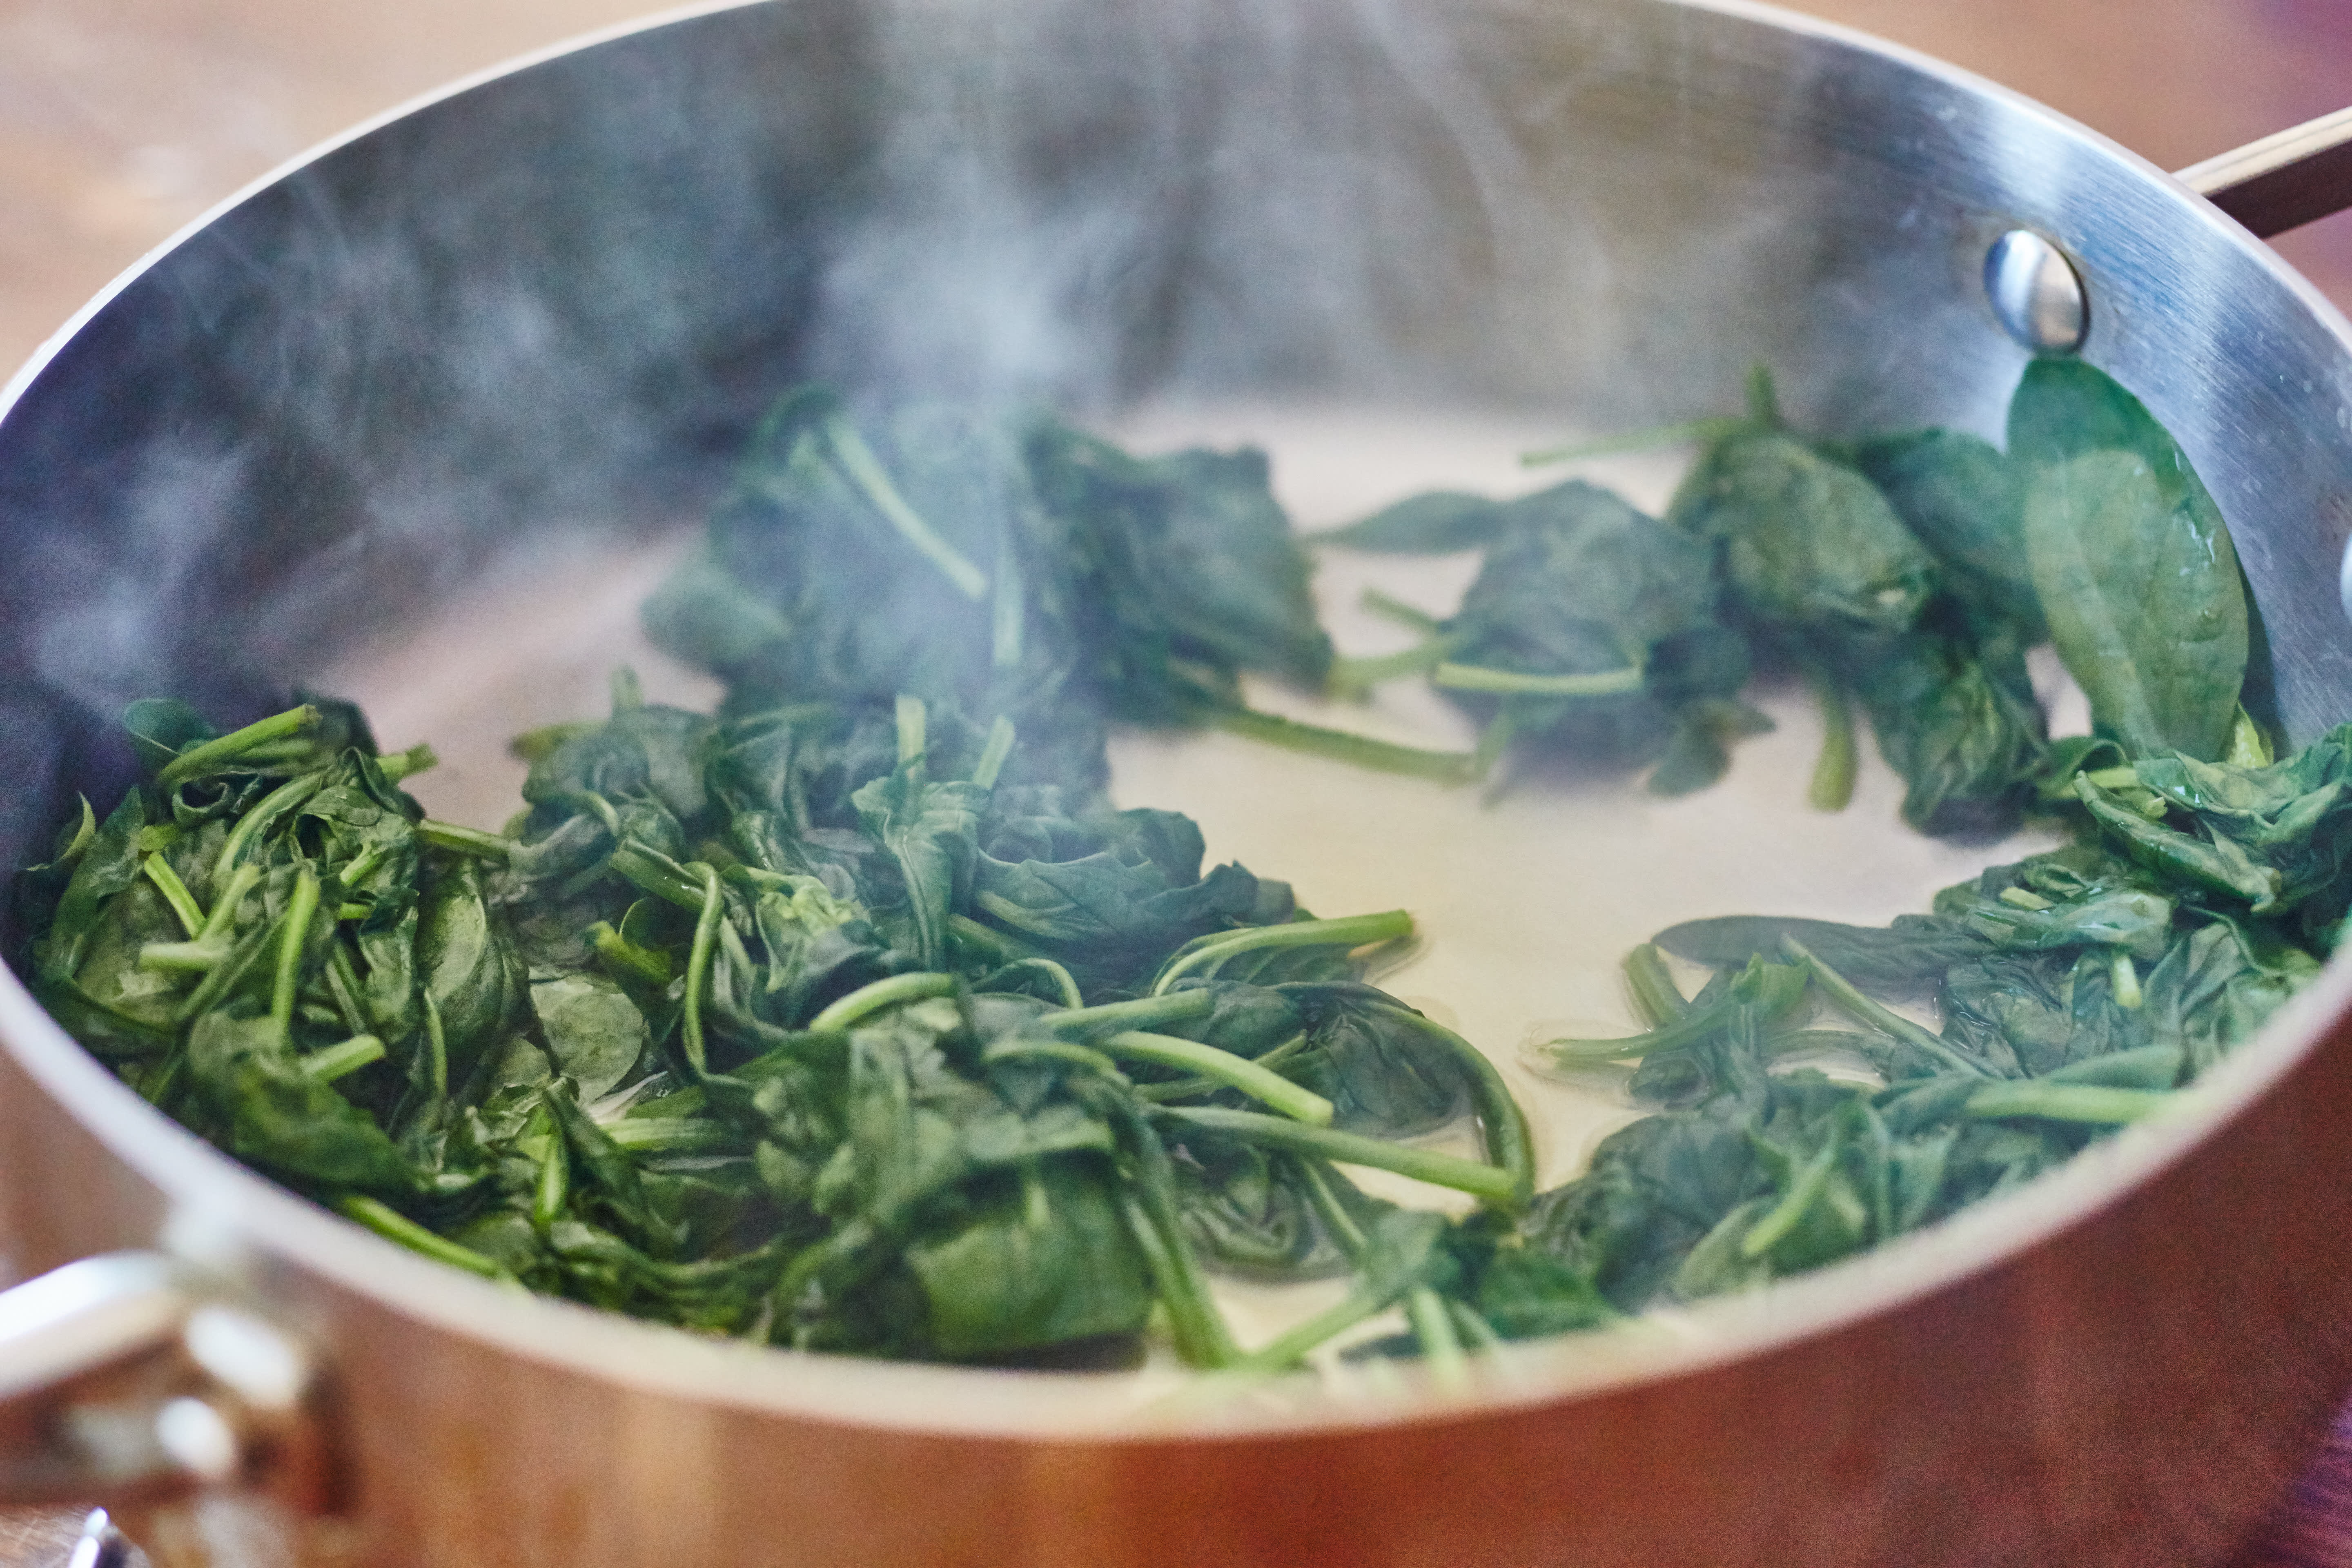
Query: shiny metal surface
point(125, 1376)
point(489, 316)
point(553, 302)
point(2036, 294)
point(86, 1315)
point(101, 1545)
point(2299, 175)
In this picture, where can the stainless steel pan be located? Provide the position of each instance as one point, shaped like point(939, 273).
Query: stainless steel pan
point(549, 303)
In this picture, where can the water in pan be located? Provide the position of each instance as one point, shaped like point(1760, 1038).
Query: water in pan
point(1526, 902)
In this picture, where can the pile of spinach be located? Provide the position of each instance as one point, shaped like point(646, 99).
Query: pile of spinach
point(856, 1019)
point(1004, 563)
point(2079, 989)
point(1907, 573)
point(807, 1025)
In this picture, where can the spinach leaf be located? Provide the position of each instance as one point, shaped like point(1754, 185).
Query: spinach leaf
point(2131, 562)
point(1195, 561)
point(1046, 1260)
point(929, 829)
point(1965, 501)
point(1805, 542)
point(1435, 522)
point(1592, 629)
point(593, 1030)
point(1955, 716)
point(1903, 960)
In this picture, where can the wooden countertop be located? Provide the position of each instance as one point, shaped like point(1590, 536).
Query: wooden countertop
point(121, 119)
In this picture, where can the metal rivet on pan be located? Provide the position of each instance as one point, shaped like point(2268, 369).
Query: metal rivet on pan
point(2036, 292)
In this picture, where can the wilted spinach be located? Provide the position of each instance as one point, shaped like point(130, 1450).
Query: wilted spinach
point(1905, 572)
point(854, 1018)
point(801, 1026)
point(2079, 990)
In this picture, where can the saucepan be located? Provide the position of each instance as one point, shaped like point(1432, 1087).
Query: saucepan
point(540, 312)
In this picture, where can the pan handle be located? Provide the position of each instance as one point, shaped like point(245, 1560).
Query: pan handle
point(2284, 181)
point(130, 1380)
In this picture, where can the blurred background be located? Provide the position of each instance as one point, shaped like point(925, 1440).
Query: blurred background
point(122, 120)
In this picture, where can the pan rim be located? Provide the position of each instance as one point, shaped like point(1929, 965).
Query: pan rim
point(282, 1230)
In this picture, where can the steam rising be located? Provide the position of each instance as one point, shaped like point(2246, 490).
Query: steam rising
point(555, 304)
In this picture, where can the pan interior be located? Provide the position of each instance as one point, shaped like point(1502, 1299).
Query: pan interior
point(1525, 899)
point(369, 425)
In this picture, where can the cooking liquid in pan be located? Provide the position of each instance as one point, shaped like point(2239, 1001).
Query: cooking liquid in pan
point(1525, 904)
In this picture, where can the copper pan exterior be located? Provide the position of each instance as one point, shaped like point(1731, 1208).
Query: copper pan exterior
point(552, 299)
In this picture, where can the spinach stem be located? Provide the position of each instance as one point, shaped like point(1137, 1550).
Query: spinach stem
point(398, 765)
point(175, 892)
point(538, 745)
point(865, 470)
point(1350, 931)
point(234, 744)
point(188, 957)
point(1008, 611)
point(2086, 1102)
point(1322, 1184)
point(470, 841)
point(1493, 740)
point(1441, 1350)
point(1362, 751)
point(1832, 788)
point(2125, 980)
point(1285, 1349)
point(357, 868)
point(1784, 1217)
point(1061, 977)
point(698, 968)
point(330, 1062)
point(394, 1225)
point(225, 975)
point(1692, 1024)
point(914, 723)
point(294, 934)
point(552, 1190)
point(1000, 736)
point(1503, 1129)
point(260, 819)
point(671, 1135)
point(1356, 676)
point(343, 986)
point(1516, 683)
point(1473, 1327)
point(1656, 998)
point(650, 870)
point(1143, 1012)
point(622, 955)
point(1202, 1338)
point(436, 1052)
point(1201, 1335)
point(1863, 1010)
point(1193, 1088)
point(844, 1010)
point(1224, 1068)
point(1490, 1183)
point(223, 914)
point(1054, 1050)
point(1390, 608)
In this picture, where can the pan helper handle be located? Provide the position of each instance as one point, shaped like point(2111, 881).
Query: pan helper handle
point(2284, 181)
point(131, 1379)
